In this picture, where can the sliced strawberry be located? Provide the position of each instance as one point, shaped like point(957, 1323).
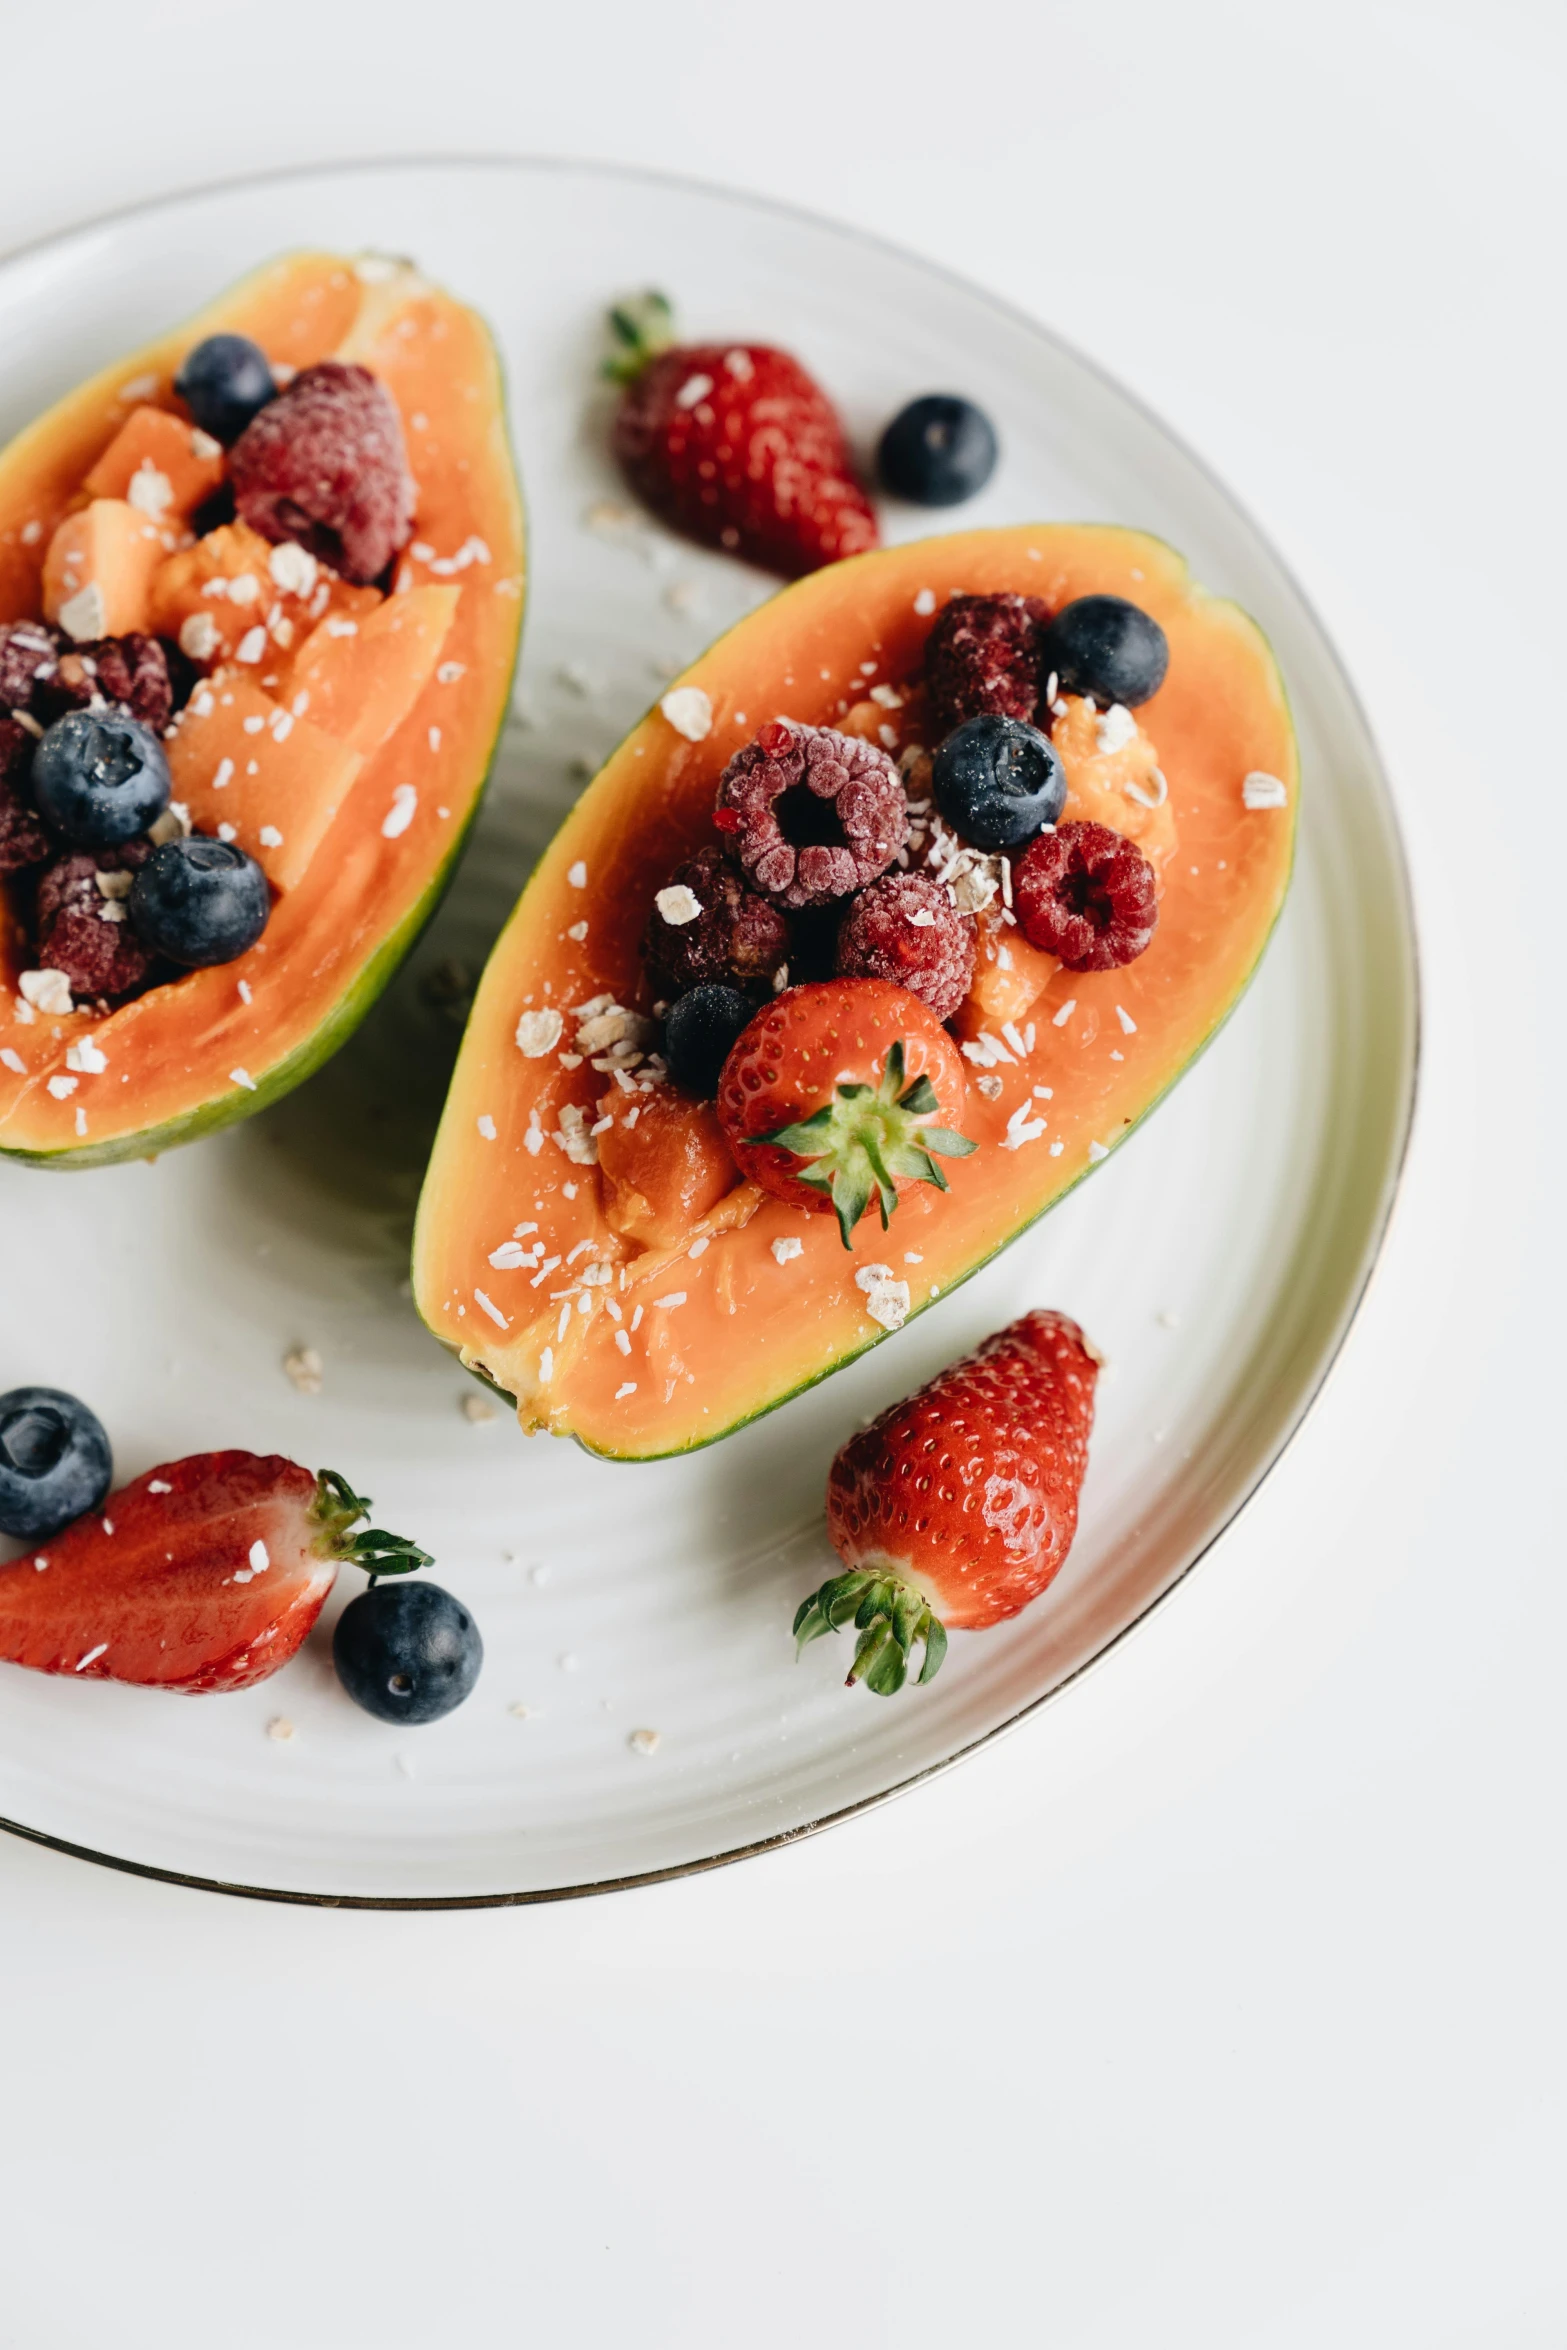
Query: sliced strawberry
point(734, 444)
point(829, 1098)
point(958, 1506)
point(204, 1574)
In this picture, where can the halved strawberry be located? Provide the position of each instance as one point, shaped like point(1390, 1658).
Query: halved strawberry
point(828, 1098)
point(958, 1506)
point(734, 444)
point(204, 1574)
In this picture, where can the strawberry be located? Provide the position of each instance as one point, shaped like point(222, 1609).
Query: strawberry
point(958, 1506)
point(204, 1574)
point(734, 444)
point(827, 1097)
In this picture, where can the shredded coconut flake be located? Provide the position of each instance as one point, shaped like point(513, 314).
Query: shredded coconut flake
point(689, 711)
point(400, 815)
point(1259, 790)
point(886, 1297)
point(539, 1033)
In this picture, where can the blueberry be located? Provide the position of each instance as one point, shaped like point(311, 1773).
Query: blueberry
point(224, 382)
point(99, 778)
point(407, 1652)
point(699, 1032)
point(199, 901)
point(55, 1463)
point(1104, 646)
point(937, 451)
point(998, 782)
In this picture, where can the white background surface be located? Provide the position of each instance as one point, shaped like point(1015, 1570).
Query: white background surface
point(1223, 2004)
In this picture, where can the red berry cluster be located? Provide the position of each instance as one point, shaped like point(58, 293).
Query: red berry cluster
point(84, 933)
point(982, 660)
point(324, 464)
point(1087, 895)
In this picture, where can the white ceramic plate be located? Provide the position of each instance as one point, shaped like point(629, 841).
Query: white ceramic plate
point(1217, 1259)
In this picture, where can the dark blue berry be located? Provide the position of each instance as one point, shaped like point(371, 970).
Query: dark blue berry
point(199, 901)
point(1104, 646)
point(937, 451)
point(224, 382)
point(99, 778)
point(55, 1463)
point(407, 1652)
point(698, 1033)
point(998, 782)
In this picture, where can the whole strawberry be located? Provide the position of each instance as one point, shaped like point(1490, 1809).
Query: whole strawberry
point(829, 1098)
point(204, 1574)
point(958, 1506)
point(735, 445)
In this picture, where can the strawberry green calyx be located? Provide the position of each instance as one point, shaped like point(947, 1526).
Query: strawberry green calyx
point(890, 1616)
point(867, 1136)
point(642, 327)
point(337, 1509)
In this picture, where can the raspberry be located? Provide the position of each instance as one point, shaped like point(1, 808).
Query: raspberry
point(982, 660)
point(905, 928)
point(23, 840)
point(1086, 894)
point(131, 671)
point(813, 815)
point(29, 651)
point(99, 953)
point(324, 464)
point(737, 938)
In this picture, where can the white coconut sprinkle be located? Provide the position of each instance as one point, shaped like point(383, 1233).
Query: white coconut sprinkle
point(91, 1657)
point(13, 1061)
point(63, 1087)
point(48, 992)
point(577, 875)
point(270, 837)
point(490, 1307)
point(487, 1127)
point(787, 1249)
point(199, 637)
point(405, 801)
point(1128, 1024)
point(1259, 790)
point(925, 602)
point(676, 1297)
point(1060, 1019)
point(85, 615)
point(1096, 1152)
point(678, 905)
point(887, 1298)
point(1115, 729)
point(647, 1741)
point(689, 711)
point(626, 1387)
point(623, 1342)
point(539, 1033)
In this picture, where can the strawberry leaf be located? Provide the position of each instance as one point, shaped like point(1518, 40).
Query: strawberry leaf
point(892, 1618)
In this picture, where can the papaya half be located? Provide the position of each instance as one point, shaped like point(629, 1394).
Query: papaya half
point(363, 805)
point(524, 1261)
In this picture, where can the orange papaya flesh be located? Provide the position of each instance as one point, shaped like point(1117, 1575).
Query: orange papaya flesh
point(773, 1303)
point(361, 678)
point(251, 770)
point(162, 464)
point(663, 1164)
point(201, 1051)
point(98, 571)
point(229, 582)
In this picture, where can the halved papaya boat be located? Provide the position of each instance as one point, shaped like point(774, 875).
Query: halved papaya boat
point(357, 812)
point(640, 1340)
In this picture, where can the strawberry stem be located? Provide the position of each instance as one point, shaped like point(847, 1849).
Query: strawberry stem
point(337, 1509)
point(867, 1136)
point(642, 327)
point(890, 1616)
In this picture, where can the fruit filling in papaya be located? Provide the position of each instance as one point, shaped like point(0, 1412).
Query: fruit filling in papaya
point(928, 942)
point(233, 626)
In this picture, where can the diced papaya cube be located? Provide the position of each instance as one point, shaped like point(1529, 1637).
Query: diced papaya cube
point(1120, 786)
point(248, 769)
point(363, 677)
point(1009, 974)
point(98, 571)
point(212, 598)
point(160, 464)
point(663, 1164)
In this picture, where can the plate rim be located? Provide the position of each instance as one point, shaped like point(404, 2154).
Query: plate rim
point(1392, 1183)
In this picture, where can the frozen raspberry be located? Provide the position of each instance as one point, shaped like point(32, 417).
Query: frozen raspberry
point(1086, 894)
point(324, 464)
point(84, 933)
point(736, 937)
point(812, 815)
point(130, 671)
point(23, 840)
point(29, 652)
point(982, 660)
point(905, 928)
